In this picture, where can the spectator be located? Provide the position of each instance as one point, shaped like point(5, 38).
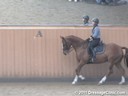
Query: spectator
point(86, 20)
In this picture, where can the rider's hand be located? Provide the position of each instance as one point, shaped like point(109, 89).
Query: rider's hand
point(90, 38)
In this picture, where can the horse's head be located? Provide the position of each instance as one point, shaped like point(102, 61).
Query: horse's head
point(72, 42)
point(67, 46)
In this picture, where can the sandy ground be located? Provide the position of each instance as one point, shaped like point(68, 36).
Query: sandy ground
point(34, 12)
point(61, 89)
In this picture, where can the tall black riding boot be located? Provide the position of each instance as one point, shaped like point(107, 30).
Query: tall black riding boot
point(94, 56)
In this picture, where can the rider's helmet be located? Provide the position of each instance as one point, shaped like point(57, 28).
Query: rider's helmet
point(96, 20)
point(86, 17)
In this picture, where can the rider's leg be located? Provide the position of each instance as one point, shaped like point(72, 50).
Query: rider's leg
point(90, 51)
point(93, 45)
point(95, 42)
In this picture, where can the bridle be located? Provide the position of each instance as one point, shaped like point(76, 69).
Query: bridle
point(67, 48)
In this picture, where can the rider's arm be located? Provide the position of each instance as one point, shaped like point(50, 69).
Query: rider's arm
point(96, 33)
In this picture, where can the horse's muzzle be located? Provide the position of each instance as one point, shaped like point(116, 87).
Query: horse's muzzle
point(65, 52)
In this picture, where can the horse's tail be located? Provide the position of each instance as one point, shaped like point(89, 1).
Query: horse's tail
point(126, 55)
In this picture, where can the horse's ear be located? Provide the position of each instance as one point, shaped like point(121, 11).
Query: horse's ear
point(62, 37)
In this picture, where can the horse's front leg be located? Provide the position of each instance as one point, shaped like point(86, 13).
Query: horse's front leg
point(78, 69)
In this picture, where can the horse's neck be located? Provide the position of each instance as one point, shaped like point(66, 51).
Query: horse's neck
point(76, 42)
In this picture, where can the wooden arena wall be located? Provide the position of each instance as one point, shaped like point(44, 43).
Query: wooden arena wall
point(22, 55)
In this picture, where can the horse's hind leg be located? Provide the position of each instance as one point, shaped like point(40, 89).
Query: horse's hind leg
point(75, 0)
point(122, 73)
point(78, 73)
point(108, 74)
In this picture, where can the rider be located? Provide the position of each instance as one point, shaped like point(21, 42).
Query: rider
point(86, 20)
point(94, 38)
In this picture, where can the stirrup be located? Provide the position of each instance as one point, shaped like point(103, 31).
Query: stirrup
point(90, 61)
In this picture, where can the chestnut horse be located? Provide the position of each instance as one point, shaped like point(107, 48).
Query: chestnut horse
point(113, 54)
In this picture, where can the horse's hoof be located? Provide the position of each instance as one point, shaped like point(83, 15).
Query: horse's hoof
point(75, 0)
point(121, 83)
point(73, 83)
point(100, 84)
point(83, 78)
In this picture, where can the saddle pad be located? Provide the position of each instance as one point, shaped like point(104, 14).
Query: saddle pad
point(99, 49)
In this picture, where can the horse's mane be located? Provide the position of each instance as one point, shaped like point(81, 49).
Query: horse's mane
point(78, 40)
point(75, 38)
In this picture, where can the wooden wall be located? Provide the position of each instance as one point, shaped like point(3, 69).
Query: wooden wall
point(22, 55)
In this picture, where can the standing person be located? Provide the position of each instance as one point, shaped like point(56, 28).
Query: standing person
point(86, 20)
point(94, 39)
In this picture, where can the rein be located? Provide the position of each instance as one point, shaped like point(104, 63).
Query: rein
point(71, 48)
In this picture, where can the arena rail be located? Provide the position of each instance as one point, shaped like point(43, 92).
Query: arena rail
point(35, 51)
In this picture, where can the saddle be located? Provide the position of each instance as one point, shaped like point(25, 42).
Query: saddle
point(100, 48)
